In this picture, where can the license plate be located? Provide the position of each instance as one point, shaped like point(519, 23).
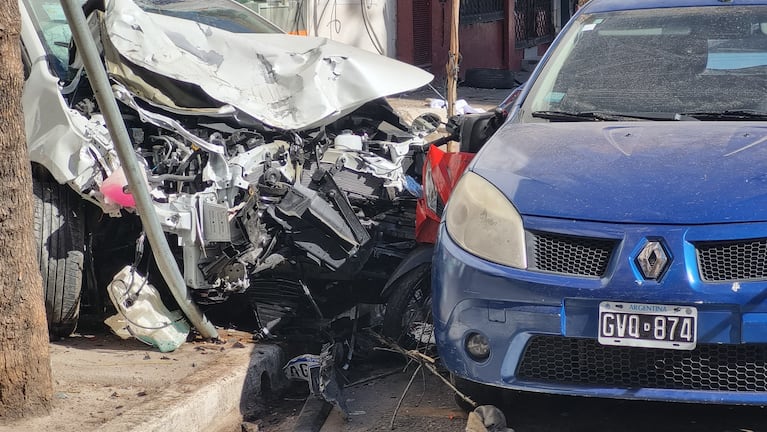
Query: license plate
point(648, 325)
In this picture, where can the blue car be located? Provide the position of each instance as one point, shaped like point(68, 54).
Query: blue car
point(610, 240)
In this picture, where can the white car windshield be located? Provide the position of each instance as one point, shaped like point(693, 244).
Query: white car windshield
point(656, 64)
point(224, 14)
point(48, 17)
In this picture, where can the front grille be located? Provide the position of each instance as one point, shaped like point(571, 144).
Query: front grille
point(556, 359)
point(582, 256)
point(732, 260)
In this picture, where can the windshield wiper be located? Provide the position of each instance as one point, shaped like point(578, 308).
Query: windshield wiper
point(607, 116)
point(572, 116)
point(728, 115)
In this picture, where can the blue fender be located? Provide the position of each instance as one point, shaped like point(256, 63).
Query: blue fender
point(420, 255)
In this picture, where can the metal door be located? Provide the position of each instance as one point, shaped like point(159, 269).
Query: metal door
point(422, 33)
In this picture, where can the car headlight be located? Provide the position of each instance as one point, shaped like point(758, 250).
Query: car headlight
point(433, 200)
point(484, 222)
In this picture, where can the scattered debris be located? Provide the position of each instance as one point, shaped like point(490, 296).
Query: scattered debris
point(301, 367)
point(319, 371)
point(250, 427)
point(142, 313)
point(487, 418)
point(461, 106)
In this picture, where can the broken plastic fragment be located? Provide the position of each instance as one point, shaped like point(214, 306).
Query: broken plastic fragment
point(115, 190)
point(145, 316)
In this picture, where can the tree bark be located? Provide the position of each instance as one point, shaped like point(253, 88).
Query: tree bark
point(25, 368)
point(454, 58)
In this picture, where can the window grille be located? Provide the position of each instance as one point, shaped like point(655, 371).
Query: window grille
point(534, 23)
point(478, 11)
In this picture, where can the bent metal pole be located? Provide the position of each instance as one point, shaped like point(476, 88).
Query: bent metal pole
point(101, 88)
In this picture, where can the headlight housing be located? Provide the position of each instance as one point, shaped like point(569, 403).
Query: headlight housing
point(484, 222)
point(433, 200)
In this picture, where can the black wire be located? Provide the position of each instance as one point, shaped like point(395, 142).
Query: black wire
point(334, 18)
point(318, 20)
point(368, 28)
point(298, 17)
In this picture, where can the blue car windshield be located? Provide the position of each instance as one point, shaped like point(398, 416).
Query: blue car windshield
point(660, 61)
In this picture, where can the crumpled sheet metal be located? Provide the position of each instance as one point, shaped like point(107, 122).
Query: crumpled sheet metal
point(284, 81)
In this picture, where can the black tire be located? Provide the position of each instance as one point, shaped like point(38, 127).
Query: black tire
point(60, 245)
point(408, 305)
point(490, 78)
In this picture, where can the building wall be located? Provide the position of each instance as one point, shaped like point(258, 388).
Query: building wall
point(390, 30)
point(343, 21)
point(340, 20)
point(482, 45)
point(404, 33)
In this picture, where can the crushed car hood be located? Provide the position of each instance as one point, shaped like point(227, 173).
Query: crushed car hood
point(639, 172)
point(283, 81)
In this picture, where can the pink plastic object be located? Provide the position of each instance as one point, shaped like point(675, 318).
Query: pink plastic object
point(112, 188)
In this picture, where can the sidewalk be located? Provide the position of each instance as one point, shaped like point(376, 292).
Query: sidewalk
point(102, 383)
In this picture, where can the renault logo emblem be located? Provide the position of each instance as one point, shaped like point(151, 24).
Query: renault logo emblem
point(652, 260)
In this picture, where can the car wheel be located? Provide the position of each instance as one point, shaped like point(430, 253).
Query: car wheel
point(59, 243)
point(480, 393)
point(408, 319)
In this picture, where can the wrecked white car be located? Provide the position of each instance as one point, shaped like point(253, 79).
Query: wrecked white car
point(281, 177)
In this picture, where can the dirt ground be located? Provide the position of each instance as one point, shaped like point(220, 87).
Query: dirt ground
point(427, 405)
point(97, 376)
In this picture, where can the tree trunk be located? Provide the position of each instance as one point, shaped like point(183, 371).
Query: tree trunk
point(454, 58)
point(25, 368)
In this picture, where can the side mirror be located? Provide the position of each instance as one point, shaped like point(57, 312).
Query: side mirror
point(425, 124)
point(476, 129)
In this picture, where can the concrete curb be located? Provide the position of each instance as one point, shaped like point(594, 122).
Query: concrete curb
point(236, 384)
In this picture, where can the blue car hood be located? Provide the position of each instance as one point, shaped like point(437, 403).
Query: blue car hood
point(637, 172)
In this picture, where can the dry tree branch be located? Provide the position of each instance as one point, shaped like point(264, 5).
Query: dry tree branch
point(401, 398)
point(423, 360)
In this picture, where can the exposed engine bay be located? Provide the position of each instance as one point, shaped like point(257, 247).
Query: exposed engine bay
point(278, 216)
point(284, 206)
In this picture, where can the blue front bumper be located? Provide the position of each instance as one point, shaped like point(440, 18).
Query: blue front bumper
point(513, 307)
